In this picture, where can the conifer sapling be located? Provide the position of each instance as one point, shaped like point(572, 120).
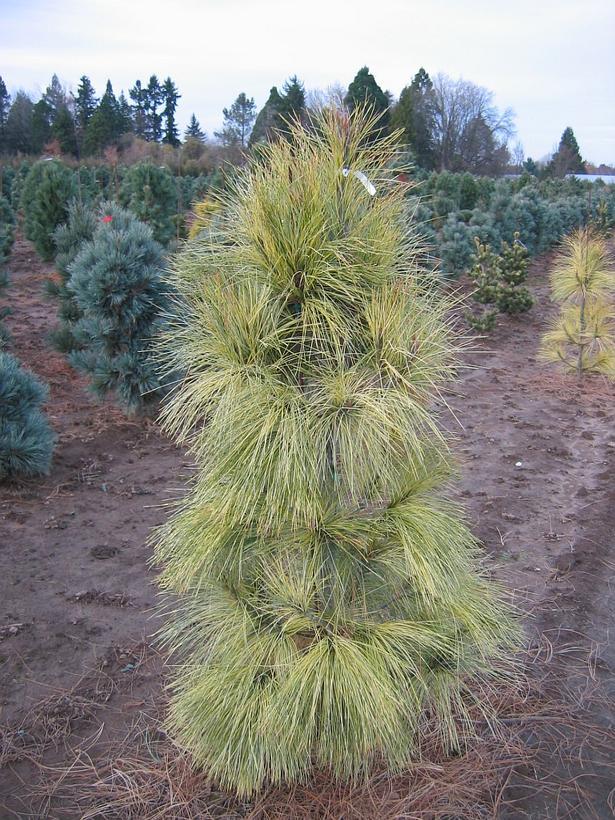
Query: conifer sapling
point(512, 297)
point(485, 275)
point(26, 439)
point(582, 337)
point(69, 238)
point(117, 282)
point(327, 594)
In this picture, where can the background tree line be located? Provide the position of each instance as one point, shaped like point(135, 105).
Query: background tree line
point(445, 124)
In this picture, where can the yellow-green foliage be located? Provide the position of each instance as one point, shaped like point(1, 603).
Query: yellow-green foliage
point(582, 337)
point(203, 214)
point(327, 593)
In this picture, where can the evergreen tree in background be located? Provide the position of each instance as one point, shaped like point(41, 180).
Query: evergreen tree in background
point(105, 125)
point(194, 130)
point(531, 167)
point(403, 117)
point(124, 115)
point(26, 440)
point(154, 97)
point(41, 125)
point(63, 130)
point(412, 114)
point(18, 131)
point(422, 144)
point(567, 159)
point(150, 193)
point(85, 103)
point(139, 115)
point(268, 118)
point(327, 597)
point(238, 121)
point(292, 105)
point(365, 91)
point(48, 190)
point(5, 105)
point(56, 98)
point(279, 110)
point(582, 337)
point(117, 281)
point(170, 96)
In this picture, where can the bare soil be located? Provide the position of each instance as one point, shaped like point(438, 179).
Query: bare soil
point(77, 667)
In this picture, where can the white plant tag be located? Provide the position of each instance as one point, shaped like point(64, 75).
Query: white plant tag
point(369, 187)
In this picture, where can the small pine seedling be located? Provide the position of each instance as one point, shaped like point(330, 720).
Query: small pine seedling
point(582, 337)
point(512, 297)
point(485, 274)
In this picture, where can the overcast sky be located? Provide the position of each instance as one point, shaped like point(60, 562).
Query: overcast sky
point(551, 61)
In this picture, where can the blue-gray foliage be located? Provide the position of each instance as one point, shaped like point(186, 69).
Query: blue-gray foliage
point(26, 439)
point(117, 281)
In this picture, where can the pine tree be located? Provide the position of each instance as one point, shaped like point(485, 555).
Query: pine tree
point(153, 117)
point(5, 106)
point(48, 190)
point(365, 91)
point(268, 119)
point(63, 130)
point(69, 239)
point(85, 105)
point(567, 159)
point(41, 125)
point(116, 279)
point(530, 166)
point(18, 132)
point(150, 193)
point(292, 106)
point(403, 115)
point(498, 280)
point(105, 125)
point(26, 440)
point(582, 337)
point(7, 236)
point(170, 97)
point(139, 116)
point(512, 297)
point(327, 592)
point(485, 274)
point(194, 130)
point(238, 121)
point(56, 98)
point(423, 119)
point(5, 336)
point(124, 115)
point(7, 230)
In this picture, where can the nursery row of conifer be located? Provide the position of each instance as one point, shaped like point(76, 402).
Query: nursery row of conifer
point(453, 209)
point(110, 229)
point(111, 299)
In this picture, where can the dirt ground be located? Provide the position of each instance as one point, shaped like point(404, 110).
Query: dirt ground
point(537, 454)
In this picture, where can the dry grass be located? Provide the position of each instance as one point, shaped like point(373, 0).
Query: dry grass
point(50, 723)
point(544, 739)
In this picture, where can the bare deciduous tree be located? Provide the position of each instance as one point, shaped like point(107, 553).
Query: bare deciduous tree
point(318, 99)
point(470, 133)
